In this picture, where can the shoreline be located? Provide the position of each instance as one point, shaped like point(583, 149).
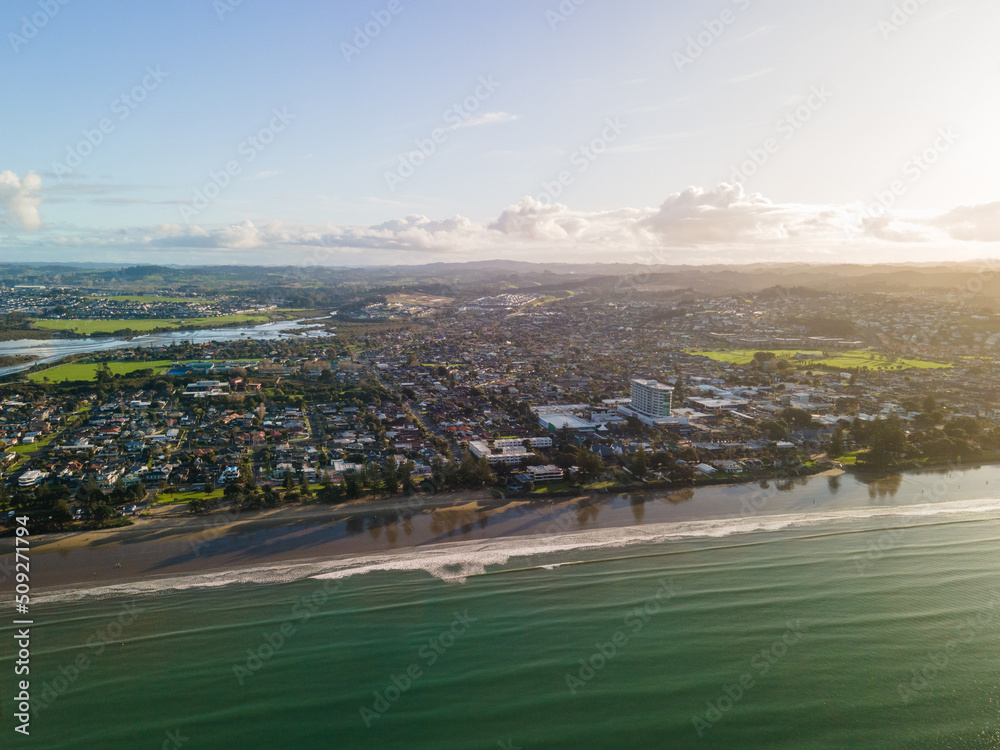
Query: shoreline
point(172, 542)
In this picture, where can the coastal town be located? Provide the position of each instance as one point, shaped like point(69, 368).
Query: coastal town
point(527, 395)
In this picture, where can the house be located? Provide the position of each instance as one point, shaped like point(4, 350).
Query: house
point(32, 478)
point(730, 467)
point(547, 473)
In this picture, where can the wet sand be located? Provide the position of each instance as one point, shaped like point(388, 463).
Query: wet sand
point(172, 542)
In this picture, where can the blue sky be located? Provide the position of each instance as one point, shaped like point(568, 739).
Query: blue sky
point(582, 130)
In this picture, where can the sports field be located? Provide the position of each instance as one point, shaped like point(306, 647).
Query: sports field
point(840, 360)
point(84, 372)
point(145, 324)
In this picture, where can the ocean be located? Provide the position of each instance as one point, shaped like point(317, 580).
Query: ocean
point(873, 628)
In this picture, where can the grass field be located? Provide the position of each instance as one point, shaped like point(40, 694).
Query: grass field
point(144, 324)
point(88, 372)
point(545, 488)
point(841, 360)
point(168, 498)
point(851, 458)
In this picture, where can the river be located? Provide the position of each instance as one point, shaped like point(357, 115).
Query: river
point(53, 350)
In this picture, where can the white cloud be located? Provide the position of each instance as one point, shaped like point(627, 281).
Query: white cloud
point(980, 223)
point(751, 76)
point(695, 225)
point(487, 118)
point(19, 198)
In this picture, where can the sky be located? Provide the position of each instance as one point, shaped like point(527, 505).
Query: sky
point(414, 131)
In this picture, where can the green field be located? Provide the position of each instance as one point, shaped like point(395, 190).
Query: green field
point(841, 360)
point(169, 498)
point(145, 324)
point(88, 372)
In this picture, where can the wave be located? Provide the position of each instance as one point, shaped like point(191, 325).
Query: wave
point(457, 561)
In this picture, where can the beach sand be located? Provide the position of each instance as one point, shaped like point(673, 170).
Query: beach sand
point(171, 541)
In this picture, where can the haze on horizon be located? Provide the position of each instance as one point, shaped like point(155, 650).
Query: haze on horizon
point(396, 131)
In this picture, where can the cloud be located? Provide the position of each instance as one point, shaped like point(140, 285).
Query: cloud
point(729, 215)
point(487, 118)
point(972, 223)
point(19, 198)
point(751, 76)
point(695, 225)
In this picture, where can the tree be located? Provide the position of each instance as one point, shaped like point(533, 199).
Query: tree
point(101, 511)
point(679, 396)
point(483, 474)
point(836, 447)
point(405, 473)
point(634, 425)
point(390, 478)
point(774, 429)
point(332, 493)
point(799, 419)
point(683, 473)
point(589, 464)
point(246, 470)
point(270, 497)
point(639, 463)
point(352, 486)
point(61, 514)
point(885, 441)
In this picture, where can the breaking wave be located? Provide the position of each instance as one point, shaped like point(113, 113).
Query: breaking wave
point(457, 561)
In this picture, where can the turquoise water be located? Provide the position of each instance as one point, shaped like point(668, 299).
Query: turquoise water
point(828, 637)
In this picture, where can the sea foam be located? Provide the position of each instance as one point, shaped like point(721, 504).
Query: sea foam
point(456, 561)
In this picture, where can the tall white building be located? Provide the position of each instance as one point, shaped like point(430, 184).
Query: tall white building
point(651, 398)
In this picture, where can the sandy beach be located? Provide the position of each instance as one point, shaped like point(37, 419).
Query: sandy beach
point(170, 541)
